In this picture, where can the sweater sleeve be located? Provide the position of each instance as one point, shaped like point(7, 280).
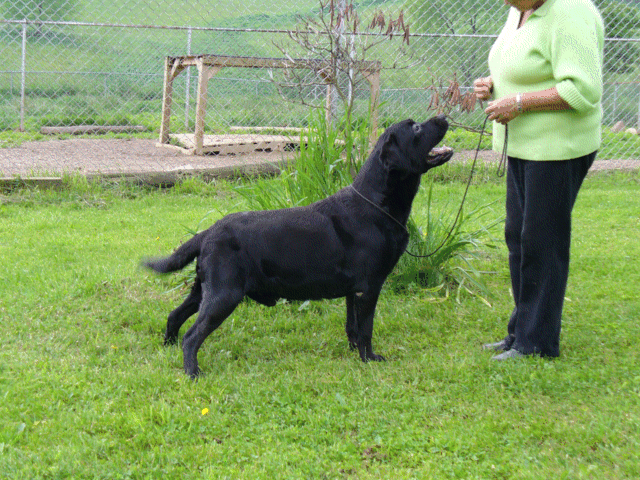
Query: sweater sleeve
point(576, 57)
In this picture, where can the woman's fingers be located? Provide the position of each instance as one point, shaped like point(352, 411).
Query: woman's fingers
point(483, 87)
point(502, 110)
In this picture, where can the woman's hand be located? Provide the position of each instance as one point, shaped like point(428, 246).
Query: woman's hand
point(503, 110)
point(483, 88)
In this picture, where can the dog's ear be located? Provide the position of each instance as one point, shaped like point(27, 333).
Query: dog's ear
point(392, 157)
point(390, 154)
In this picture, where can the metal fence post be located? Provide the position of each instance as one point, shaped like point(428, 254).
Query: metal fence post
point(614, 118)
point(638, 109)
point(186, 104)
point(24, 73)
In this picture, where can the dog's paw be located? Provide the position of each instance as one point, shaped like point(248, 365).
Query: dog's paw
point(369, 356)
point(372, 357)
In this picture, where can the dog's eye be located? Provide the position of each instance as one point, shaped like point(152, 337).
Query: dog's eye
point(416, 128)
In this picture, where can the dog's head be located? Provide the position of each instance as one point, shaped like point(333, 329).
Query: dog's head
point(410, 147)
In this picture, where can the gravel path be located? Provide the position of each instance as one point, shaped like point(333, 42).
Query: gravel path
point(142, 158)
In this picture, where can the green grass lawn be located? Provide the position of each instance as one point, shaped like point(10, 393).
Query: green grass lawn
point(88, 391)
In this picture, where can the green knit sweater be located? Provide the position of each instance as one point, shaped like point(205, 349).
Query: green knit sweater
point(560, 45)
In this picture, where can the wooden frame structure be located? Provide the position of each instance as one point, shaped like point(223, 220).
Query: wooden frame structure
point(210, 65)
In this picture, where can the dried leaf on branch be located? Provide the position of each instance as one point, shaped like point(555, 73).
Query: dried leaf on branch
point(452, 98)
point(394, 27)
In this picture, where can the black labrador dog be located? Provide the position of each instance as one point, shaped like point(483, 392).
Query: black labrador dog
point(343, 246)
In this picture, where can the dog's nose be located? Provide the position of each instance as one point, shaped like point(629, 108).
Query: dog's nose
point(441, 120)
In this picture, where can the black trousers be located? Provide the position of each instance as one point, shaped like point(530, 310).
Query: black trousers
point(540, 198)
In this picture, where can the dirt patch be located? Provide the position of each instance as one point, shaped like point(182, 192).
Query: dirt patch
point(53, 158)
point(113, 157)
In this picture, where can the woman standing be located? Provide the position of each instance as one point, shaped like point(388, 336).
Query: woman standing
point(546, 82)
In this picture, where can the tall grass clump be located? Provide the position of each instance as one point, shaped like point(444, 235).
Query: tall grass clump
point(329, 158)
point(445, 248)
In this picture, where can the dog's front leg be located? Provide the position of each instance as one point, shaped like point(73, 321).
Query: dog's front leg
point(351, 326)
point(365, 307)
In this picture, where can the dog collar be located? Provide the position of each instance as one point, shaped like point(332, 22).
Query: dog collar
point(380, 208)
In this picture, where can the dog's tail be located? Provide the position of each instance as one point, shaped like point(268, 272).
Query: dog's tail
point(183, 256)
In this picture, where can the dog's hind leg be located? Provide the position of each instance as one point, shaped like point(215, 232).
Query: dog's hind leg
point(180, 315)
point(351, 326)
point(365, 307)
point(215, 307)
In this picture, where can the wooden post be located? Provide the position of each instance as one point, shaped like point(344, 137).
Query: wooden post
point(166, 102)
point(172, 68)
point(205, 73)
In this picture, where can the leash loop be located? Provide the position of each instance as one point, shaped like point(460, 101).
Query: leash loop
point(502, 166)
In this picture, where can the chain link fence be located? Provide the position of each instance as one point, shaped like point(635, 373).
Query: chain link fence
point(101, 63)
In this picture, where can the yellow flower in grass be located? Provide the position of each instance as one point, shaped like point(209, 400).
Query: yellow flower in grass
point(205, 411)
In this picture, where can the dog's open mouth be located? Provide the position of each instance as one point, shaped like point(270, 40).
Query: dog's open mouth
point(440, 155)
